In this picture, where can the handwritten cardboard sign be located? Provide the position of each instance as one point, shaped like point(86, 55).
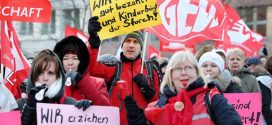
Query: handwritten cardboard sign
point(59, 114)
point(248, 105)
point(25, 10)
point(122, 16)
point(10, 118)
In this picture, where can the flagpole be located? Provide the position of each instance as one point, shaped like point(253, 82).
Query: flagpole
point(144, 51)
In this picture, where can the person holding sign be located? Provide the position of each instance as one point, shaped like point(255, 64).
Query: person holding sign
point(141, 87)
point(75, 58)
point(235, 60)
point(187, 99)
point(212, 65)
point(45, 85)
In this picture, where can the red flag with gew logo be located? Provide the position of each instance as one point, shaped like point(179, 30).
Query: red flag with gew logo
point(16, 65)
point(239, 35)
point(25, 10)
point(190, 21)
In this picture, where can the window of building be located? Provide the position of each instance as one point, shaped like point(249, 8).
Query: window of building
point(72, 17)
point(255, 18)
point(50, 28)
point(26, 28)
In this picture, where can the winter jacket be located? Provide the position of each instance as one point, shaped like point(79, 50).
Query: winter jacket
point(263, 80)
point(7, 100)
point(248, 81)
point(88, 87)
point(98, 91)
point(233, 88)
point(130, 68)
point(223, 112)
point(28, 116)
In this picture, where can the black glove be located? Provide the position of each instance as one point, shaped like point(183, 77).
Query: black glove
point(31, 101)
point(93, 28)
point(135, 115)
point(74, 76)
point(142, 83)
point(83, 104)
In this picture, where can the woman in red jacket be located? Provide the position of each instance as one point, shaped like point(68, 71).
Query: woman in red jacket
point(75, 58)
point(183, 100)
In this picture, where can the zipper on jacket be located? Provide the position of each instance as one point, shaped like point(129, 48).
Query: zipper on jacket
point(132, 84)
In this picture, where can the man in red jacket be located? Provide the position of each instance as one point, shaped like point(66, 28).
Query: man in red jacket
point(139, 86)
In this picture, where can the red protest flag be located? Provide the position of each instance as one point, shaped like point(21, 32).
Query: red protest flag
point(239, 35)
point(71, 31)
point(190, 22)
point(174, 47)
point(25, 10)
point(17, 68)
point(152, 52)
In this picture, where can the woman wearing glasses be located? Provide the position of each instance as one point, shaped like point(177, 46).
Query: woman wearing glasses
point(183, 98)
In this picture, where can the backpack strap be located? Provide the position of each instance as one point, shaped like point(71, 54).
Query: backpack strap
point(149, 75)
point(207, 99)
point(115, 77)
point(152, 65)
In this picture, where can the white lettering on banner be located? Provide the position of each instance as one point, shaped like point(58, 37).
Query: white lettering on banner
point(184, 8)
point(7, 57)
point(239, 33)
point(20, 11)
point(174, 45)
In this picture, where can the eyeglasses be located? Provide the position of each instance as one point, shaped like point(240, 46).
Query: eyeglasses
point(186, 69)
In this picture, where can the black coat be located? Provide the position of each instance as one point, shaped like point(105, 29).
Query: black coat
point(233, 88)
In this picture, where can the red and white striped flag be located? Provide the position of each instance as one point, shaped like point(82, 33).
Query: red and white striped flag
point(15, 64)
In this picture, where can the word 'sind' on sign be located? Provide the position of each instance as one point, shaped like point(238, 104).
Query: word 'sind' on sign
point(248, 105)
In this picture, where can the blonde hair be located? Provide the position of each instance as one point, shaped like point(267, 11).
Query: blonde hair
point(177, 59)
point(236, 51)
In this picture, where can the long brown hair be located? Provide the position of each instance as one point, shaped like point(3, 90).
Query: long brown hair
point(43, 62)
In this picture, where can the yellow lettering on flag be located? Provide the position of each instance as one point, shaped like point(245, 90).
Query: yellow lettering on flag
point(122, 16)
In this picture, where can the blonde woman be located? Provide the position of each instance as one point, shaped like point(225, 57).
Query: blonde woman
point(235, 61)
point(183, 91)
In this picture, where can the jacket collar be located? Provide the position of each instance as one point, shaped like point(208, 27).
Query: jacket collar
point(125, 59)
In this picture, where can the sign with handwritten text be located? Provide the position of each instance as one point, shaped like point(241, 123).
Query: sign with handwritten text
point(60, 114)
point(248, 105)
point(122, 16)
point(10, 118)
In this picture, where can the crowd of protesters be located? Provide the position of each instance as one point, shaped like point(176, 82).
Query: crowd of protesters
point(162, 92)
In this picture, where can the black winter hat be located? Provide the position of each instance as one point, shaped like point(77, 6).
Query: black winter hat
point(135, 34)
point(253, 60)
point(73, 44)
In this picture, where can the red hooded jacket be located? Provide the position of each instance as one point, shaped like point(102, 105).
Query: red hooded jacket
point(129, 70)
point(91, 88)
